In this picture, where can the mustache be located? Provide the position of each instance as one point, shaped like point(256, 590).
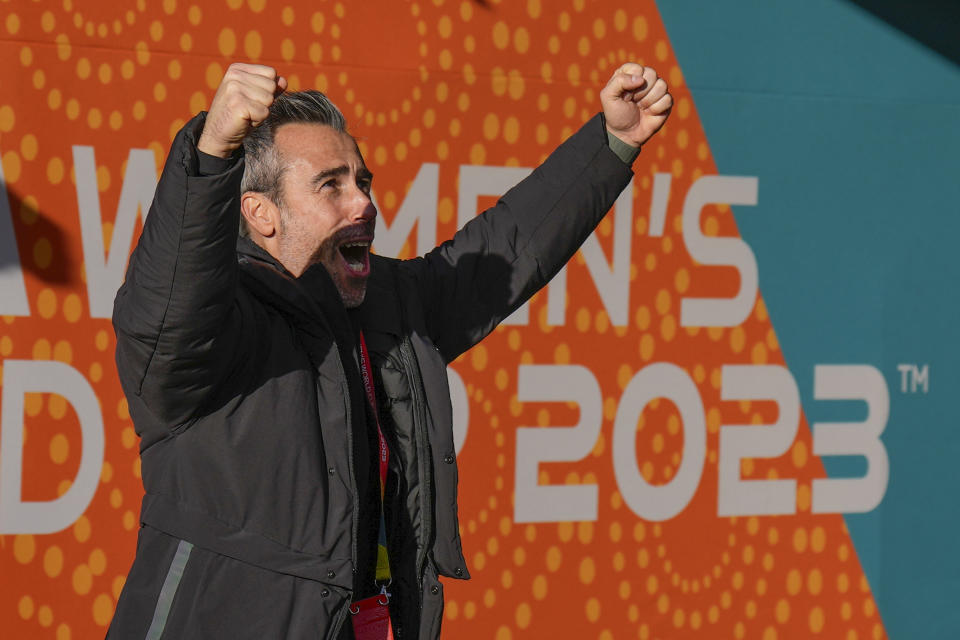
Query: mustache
point(359, 231)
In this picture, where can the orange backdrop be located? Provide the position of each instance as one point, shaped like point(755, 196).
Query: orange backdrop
point(455, 83)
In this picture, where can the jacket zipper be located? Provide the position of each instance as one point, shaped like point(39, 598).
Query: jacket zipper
point(426, 498)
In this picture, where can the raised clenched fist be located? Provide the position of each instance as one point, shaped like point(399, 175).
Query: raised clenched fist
point(242, 102)
point(635, 103)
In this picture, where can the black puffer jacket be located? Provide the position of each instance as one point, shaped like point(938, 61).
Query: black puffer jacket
point(243, 386)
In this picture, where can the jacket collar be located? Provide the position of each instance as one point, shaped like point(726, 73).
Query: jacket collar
point(314, 294)
point(250, 251)
point(381, 306)
point(310, 299)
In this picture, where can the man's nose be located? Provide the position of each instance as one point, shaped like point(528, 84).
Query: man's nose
point(362, 208)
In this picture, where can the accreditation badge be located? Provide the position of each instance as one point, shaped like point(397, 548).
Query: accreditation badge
point(371, 618)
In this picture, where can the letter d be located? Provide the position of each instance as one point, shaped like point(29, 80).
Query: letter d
point(46, 376)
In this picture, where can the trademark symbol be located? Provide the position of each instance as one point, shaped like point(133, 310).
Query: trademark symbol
point(914, 378)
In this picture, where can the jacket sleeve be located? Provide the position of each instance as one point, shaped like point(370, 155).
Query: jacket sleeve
point(175, 315)
point(501, 258)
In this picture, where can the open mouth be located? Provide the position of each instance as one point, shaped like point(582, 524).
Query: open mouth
point(356, 255)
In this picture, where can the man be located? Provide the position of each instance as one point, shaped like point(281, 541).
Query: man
point(265, 375)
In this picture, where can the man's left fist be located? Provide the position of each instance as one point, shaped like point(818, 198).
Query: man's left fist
point(635, 103)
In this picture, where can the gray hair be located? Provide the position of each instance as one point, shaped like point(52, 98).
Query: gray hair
point(264, 167)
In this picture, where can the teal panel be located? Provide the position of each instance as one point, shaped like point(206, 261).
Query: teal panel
point(853, 129)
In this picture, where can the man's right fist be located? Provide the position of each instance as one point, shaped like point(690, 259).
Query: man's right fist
point(242, 102)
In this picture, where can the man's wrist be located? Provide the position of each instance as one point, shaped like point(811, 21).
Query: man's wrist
point(626, 152)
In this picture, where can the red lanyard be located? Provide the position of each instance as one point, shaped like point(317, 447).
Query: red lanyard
point(383, 564)
point(372, 399)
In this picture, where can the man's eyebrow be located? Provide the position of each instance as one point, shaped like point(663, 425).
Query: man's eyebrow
point(343, 169)
point(330, 173)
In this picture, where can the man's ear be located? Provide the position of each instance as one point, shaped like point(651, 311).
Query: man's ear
point(261, 214)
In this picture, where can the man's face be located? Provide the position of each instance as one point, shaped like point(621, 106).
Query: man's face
point(327, 215)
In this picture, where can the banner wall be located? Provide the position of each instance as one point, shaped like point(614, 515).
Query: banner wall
point(636, 459)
